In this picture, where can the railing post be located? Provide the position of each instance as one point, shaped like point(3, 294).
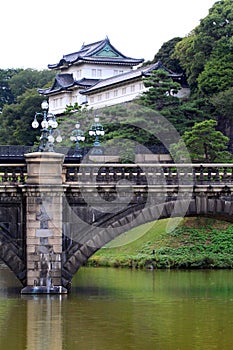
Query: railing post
point(44, 193)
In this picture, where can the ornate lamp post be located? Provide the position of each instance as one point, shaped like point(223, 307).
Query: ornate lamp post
point(96, 130)
point(77, 135)
point(48, 131)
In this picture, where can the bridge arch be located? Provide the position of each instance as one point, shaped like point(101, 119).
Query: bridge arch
point(11, 254)
point(218, 208)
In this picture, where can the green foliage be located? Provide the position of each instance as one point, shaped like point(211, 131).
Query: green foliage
point(29, 79)
point(6, 95)
point(16, 119)
point(196, 243)
point(162, 90)
point(205, 143)
point(165, 56)
point(182, 114)
point(223, 102)
point(128, 122)
point(217, 74)
point(209, 44)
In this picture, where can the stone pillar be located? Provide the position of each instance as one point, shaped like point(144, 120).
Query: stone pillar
point(44, 193)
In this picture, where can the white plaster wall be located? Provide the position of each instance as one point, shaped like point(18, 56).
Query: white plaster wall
point(58, 102)
point(121, 94)
point(86, 71)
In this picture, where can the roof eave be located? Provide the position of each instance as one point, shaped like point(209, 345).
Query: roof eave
point(106, 87)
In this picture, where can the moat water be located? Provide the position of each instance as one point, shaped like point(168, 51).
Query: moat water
point(120, 309)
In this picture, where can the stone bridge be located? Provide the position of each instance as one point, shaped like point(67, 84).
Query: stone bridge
point(55, 215)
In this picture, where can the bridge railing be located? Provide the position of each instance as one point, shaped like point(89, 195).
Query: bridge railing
point(137, 174)
point(150, 174)
point(13, 173)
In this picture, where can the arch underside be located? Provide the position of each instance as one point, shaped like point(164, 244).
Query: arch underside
point(11, 253)
point(98, 236)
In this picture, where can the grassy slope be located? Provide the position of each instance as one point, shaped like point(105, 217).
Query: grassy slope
point(195, 243)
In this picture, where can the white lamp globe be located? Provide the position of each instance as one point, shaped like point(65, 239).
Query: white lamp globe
point(35, 124)
point(59, 139)
point(44, 124)
point(54, 124)
point(45, 105)
point(50, 122)
point(50, 138)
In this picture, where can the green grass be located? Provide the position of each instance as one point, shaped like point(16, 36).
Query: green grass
point(195, 243)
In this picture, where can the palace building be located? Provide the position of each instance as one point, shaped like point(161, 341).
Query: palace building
point(98, 75)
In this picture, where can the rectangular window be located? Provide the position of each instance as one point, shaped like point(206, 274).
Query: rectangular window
point(92, 99)
point(99, 72)
point(123, 91)
point(141, 86)
point(115, 93)
point(132, 88)
point(55, 103)
point(93, 72)
point(99, 97)
point(107, 95)
point(115, 72)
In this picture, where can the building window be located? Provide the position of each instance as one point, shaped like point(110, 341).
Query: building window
point(99, 97)
point(132, 88)
point(93, 72)
point(141, 86)
point(78, 74)
point(99, 72)
point(117, 71)
point(92, 99)
point(123, 91)
point(107, 95)
point(115, 93)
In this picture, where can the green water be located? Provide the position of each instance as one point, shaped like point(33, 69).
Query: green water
point(111, 309)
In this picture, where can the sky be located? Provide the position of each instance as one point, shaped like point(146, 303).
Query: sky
point(37, 33)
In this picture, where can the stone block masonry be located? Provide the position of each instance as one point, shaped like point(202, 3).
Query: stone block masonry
point(44, 193)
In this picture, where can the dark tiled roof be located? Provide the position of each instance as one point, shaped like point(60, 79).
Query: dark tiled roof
point(131, 75)
point(99, 52)
point(159, 65)
point(65, 81)
point(86, 82)
point(61, 82)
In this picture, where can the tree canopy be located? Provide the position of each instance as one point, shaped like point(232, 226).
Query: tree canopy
point(209, 43)
point(20, 100)
point(204, 143)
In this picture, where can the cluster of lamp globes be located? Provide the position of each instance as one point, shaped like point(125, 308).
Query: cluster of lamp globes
point(49, 124)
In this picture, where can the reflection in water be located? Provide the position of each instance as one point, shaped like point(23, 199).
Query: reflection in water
point(44, 322)
point(120, 309)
